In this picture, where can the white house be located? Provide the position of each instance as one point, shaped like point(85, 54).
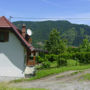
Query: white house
point(17, 55)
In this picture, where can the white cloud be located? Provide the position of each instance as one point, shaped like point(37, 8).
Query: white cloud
point(81, 18)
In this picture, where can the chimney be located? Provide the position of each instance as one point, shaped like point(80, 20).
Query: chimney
point(24, 30)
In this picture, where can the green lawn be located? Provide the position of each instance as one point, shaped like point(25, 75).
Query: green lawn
point(4, 86)
point(51, 71)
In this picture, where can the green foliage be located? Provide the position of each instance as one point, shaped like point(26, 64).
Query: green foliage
point(66, 55)
point(70, 35)
point(46, 64)
point(51, 57)
point(71, 62)
point(85, 46)
point(55, 45)
point(72, 49)
point(61, 62)
point(39, 59)
point(83, 57)
point(53, 64)
point(44, 61)
point(67, 59)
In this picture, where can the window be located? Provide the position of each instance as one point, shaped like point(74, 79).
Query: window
point(4, 36)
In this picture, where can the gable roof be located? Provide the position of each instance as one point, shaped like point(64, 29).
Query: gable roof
point(4, 23)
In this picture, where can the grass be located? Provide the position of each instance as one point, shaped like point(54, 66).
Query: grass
point(71, 74)
point(4, 86)
point(86, 76)
point(51, 71)
point(61, 76)
point(53, 64)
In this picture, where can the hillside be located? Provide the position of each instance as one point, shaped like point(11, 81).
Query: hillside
point(74, 33)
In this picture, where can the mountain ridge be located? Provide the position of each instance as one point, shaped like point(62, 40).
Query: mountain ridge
point(74, 33)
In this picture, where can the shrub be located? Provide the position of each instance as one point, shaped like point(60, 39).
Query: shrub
point(39, 59)
point(71, 62)
point(61, 61)
point(51, 57)
point(72, 49)
point(83, 57)
point(66, 55)
point(46, 64)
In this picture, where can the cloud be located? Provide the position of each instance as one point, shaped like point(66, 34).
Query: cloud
point(80, 18)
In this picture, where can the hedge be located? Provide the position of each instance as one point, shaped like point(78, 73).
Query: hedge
point(82, 57)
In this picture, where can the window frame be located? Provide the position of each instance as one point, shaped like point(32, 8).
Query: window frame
point(5, 35)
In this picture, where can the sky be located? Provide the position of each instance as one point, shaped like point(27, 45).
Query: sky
point(53, 9)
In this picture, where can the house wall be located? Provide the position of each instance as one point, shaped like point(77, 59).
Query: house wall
point(12, 57)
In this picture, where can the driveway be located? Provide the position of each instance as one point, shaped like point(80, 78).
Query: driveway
point(62, 81)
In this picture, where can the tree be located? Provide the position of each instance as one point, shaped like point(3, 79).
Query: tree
point(85, 46)
point(55, 45)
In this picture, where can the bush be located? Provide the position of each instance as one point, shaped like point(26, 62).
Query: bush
point(76, 58)
point(39, 59)
point(46, 64)
point(61, 62)
point(51, 57)
point(72, 49)
point(71, 62)
point(66, 55)
point(83, 57)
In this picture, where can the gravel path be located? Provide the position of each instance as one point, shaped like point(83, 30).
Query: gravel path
point(68, 82)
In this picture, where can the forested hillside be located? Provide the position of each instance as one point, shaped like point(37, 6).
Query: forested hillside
point(74, 33)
